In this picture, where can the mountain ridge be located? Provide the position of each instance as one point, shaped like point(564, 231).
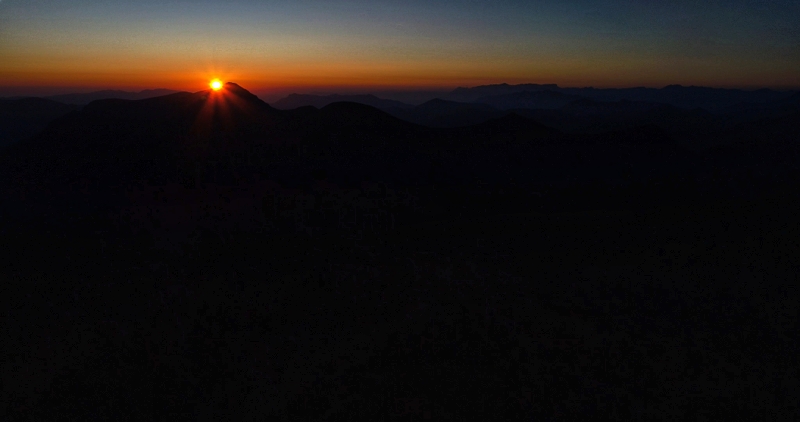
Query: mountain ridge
point(677, 95)
point(295, 100)
point(86, 98)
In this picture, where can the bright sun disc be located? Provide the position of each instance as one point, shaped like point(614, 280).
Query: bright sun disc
point(216, 84)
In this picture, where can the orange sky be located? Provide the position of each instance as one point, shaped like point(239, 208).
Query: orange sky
point(80, 70)
point(93, 44)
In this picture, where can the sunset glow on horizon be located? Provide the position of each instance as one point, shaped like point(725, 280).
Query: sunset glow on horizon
point(51, 45)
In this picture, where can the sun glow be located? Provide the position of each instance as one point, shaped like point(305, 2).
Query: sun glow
point(216, 84)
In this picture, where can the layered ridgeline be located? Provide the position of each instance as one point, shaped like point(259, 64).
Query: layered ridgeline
point(192, 140)
point(208, 254)
point(184, 142)
point(686, 112)
point(319, 101)
point(88, 97)
point(690, 97)
point(551, 96)
point(23, 117)
point(221, 137)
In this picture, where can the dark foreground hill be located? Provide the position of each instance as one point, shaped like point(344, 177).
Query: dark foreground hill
point(446, 114)
point(232, 138)
point(22, 118)
point(204, 255)
point(529, 100)
point(25, 117)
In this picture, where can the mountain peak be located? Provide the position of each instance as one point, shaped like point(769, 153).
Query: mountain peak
point(244, 94)
point(236, 88)
point(233, 85)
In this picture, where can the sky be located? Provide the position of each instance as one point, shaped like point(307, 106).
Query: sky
point(56, 46)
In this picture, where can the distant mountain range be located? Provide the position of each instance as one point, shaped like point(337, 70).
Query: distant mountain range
point(473, 94)
point(711, 99)
point(676, 109)
point(196, 127)
point(319, 101)
point(115, 143)
point(86, 98)
point(502, 96)
point(681, 111)
point(172, 170)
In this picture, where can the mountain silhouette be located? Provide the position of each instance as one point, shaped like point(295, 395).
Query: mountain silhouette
point(22, 118)
point(462, 94)
point(529, 99)
point(121, 143)
point(225, 137)
point(206, 253)
point(750, 111)
point(589, 116)
point(350, 114)
point(711, 99)
point(86, 98)
point(446, 114)
point(118, 138)
point(319, 101)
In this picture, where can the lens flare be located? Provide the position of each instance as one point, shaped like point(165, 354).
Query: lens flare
point(216, 84)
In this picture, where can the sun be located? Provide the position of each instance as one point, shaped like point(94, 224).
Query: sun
point(216, 84)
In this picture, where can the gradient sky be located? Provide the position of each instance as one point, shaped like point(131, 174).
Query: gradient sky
point(69, 45)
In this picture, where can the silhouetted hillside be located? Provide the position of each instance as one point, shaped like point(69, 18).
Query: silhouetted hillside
point(711, 99)
point(764, 134)
point(512, 123)
point(749, 111)
point(119, 142)
point(86, 98)
point(319, 101)
point(356, 115)
point(227, 137)
point(528, 99)
point(206, 255)
point(634, 113)
point(473, 94)
point(441, 113)
point(433, 113)
point(22, 118)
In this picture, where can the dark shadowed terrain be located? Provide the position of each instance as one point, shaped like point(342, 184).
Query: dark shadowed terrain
point(527, 252)
point(24, 117)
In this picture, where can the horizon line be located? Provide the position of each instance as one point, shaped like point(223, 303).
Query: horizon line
point(352, 89)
